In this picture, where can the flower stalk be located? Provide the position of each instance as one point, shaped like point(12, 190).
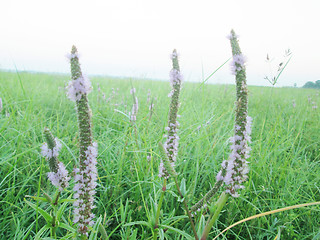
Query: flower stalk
point(234, 171)
point(86, 173)
point(172, 142)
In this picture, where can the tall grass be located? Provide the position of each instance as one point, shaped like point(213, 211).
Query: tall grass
point(284, 163)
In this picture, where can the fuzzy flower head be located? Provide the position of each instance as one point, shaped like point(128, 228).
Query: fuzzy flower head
point(77, 88)
point(238, 63)
point(175, 77)
point(49, 153)
point(50, 150)
point(79, 85)
point(60, 178)
point(235, 170)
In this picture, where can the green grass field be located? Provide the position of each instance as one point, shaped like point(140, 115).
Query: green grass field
point(284, 162)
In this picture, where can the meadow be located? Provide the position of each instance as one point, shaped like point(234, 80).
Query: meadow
point(284, 162)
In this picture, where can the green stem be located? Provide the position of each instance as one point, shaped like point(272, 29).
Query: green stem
point(187, 210)
point(53, 226)
point(218, 207)
point(55, 202)
point(156, 226)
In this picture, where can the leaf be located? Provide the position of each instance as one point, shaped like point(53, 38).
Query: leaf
point(186, 235)
point(278, 235)
point(134, 235)
point(66, 200)
point(69, 236)
point(161, 234)
point(144, 223)
point(103, 232)
point(48, 198)
point(46, 215)
point(183, 187)
point(174, 219)
point(62, 208)
point(202, 224)
point(67, 227)
point(43, 199)
point(28, 232)
point(41, 231)
point(94, 231)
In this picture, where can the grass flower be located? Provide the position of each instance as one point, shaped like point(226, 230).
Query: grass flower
point(172, 142)
point(86, 173)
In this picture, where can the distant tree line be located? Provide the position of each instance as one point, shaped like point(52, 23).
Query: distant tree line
point(310, 84)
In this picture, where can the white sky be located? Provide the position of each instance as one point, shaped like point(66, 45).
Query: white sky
point(135, 37)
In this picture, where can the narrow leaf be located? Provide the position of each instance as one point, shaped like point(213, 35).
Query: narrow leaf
point(46, 215)
point(186, 235)
point(41, 231)
point(94, 232)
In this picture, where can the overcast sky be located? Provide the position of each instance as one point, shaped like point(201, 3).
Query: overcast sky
point(135, 37)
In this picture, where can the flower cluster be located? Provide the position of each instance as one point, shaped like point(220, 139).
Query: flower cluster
point(238, 63)
point(77, 88)
point(58, 174)
point(49, 153)
point(175, 80)
point(60, 178)
point(235, 169)
point(162, 170)
point(79, 85)
point(85, 179)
